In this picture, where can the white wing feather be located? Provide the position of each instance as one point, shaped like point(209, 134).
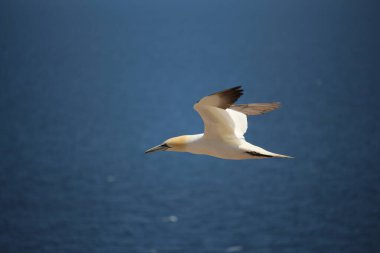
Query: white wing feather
point(217, 122)
point(240, 122)
point(221, 122)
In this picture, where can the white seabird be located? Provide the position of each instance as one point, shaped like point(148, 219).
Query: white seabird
point(224, 127)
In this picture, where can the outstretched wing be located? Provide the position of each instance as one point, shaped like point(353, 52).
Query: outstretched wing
point(219, 121)
point(256, 109)
point(240, 121)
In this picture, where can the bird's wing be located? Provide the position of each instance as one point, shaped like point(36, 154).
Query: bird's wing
point(240, 121)
point(219, 121)
point(255, 109)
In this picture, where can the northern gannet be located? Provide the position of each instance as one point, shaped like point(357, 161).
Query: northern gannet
point(224, 127)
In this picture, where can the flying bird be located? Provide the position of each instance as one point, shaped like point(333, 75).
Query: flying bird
point(225, 124)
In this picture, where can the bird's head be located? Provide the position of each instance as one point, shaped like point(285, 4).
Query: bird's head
point(177, 144)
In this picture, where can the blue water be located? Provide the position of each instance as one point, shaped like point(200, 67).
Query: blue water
point(87, 86)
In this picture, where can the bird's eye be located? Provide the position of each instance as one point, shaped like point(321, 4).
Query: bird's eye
point(165, 145)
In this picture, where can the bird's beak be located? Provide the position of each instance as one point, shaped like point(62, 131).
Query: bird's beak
point(161, 147)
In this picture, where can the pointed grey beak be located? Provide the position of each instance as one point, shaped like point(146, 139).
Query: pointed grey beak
point(161, 147)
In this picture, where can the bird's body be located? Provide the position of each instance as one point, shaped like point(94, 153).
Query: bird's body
point(225, 126)
point(234, 149)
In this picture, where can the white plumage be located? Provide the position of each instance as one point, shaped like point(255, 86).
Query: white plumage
point(224, 127)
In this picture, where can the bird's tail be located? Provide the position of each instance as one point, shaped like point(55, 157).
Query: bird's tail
point(281, 156)
point(266, 154)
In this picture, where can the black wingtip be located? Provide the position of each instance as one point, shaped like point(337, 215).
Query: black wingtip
point(231, 95)
point(235, 89)
point(238, 90)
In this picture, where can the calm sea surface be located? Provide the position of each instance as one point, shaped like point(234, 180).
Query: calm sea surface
point(87, 86)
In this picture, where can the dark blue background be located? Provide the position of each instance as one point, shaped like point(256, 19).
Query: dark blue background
point(87, 86)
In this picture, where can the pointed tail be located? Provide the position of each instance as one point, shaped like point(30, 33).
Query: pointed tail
point(281, 156)
point(266, 154)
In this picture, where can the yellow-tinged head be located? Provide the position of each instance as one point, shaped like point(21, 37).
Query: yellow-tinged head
point(177, 144)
